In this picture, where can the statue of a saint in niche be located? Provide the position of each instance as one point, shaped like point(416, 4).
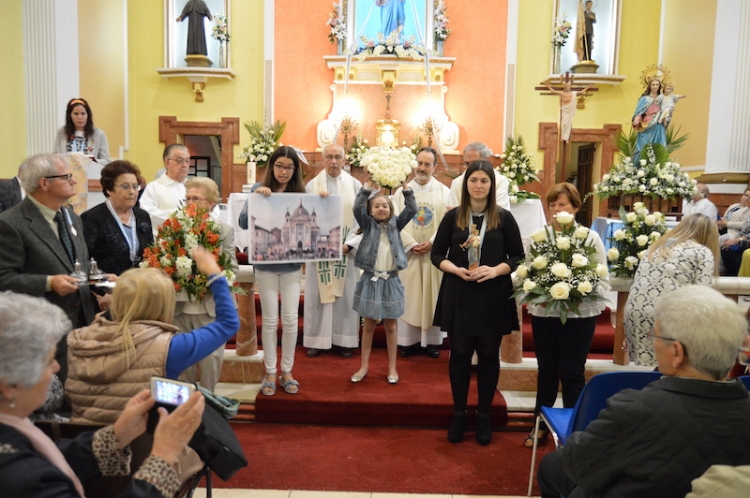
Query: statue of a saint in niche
point(195, 11)
point(392, 16)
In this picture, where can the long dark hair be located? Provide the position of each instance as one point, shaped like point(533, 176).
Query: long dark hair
point(463, 217)
point(295, 183)
point(70, 128)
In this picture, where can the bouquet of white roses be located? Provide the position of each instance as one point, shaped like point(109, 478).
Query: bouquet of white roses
point(391, 45)
point(440, 21)
point(561, 32)
point(263, 141)
point(648, 177)
point(518, 168)
point(561, 272)
point(337, 23)
point(631, 242)
point(388, 167)
point(220, 31)
point(357, 150)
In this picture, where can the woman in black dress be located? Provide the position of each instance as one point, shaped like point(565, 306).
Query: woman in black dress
point(475, 305)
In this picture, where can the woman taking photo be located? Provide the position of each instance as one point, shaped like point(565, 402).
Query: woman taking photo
point(80, 136)
point(279, 280)
point(687, 254)
point(474, 305)
point(31, 464)
point(561, 348)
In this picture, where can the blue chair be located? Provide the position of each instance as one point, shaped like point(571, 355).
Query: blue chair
point(562, 422)
point(745, 379)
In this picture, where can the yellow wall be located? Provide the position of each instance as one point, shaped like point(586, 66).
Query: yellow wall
point(13, 107)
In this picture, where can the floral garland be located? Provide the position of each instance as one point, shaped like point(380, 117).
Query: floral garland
point(390, 45)
point(337, 23)
point(185, 229)
point(561, 32)
point(263, 141)
point(649, 177)
point(356, 151)
point(440, 21)
point(220, 30)
point(518, 168)
point(561, 272)
point(389, 167)
point(631, 242)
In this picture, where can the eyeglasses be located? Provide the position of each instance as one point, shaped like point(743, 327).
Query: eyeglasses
point(334, 158)
point(195, 199)
point(743, 356)
point(179, 160)
point(651, 335)
point(67, 177)
point(129, 186)
point(281, 167)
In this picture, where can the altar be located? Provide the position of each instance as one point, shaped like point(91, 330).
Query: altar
point(529, 216)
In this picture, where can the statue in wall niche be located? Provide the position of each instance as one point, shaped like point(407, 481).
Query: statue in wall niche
point(196, 11)
point(392, 16)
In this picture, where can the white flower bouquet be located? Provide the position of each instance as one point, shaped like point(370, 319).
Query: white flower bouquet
point(560, 272)
point(631, 242)
point(388, 167)
point(518, 168)
point(220, 31)
point(390, 45)
point(357, 150)
point(561, 32)
point(440, 21)
point(648, 177)
point(337, 23)
point(263, 141)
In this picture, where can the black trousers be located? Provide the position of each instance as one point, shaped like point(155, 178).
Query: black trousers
point(488, 369)
point(552, 479)
point(561, 356)
point(732, 261)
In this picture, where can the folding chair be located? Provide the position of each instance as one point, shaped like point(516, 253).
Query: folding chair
point(562, 422)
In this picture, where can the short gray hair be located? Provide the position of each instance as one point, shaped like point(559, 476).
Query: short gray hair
point(481, 147)
point(30, 328)
point(35, 168)
point(207, 185)
point(709, 325)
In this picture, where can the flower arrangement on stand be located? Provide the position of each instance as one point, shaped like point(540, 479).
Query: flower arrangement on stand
point(561, 272)
point(518, 168)
point(631, 242)
point(263, 141)
point(185, 229)
point(391, 45)
point(561, 31)
point(356, 151)
point(440, 22)
point(654, 175)
point(220, 30)
point(388, 167)
point(337, 23)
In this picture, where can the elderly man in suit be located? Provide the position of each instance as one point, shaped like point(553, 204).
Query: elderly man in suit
point(42, 240)
point(11, 192)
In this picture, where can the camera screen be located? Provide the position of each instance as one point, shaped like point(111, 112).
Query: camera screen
point(171, 393)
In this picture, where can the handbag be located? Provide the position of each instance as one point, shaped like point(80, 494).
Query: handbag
point(217, 444)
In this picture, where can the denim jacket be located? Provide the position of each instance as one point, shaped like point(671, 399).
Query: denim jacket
point(367, 253)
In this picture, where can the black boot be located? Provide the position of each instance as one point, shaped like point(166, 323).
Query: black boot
point(457, 428)
point(484, 429)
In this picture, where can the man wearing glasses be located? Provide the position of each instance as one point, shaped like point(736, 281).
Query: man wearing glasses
point(42, 240)
point(330, 319)
point(655, 441)
point(476, 151)
point(164, 195)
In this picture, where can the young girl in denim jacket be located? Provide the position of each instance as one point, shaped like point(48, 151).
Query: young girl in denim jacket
point(379, 293)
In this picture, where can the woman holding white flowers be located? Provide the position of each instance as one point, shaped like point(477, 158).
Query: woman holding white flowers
point(687, 254)
point(561, 346)
point(474, 305)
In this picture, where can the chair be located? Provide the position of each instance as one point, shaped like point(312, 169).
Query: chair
point(562, 422)
point(745, 379)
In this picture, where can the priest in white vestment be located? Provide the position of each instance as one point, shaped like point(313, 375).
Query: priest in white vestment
point(476, 151)
point(421, 278)
point(330, 319)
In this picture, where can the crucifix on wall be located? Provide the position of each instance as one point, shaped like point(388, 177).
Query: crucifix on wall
point(570, 98)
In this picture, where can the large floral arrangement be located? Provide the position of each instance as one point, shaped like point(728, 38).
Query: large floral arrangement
point(220, 31)
point(337, 23)
point(561, 272)
point(440, 22)
point(631, 242)
point(649, 176)
point(356, 151)
point(561, 32)
point(388, 167)
point(263, 141)
point(391, 45)
point(518, 168)
point(185, 229)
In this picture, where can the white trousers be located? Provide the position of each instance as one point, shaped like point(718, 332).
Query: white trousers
point(270, 285)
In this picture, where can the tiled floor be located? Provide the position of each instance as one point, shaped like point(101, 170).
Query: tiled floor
point(266, 493)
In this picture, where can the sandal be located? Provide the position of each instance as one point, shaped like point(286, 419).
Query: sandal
point(542, 436)
point(268, 387)
point(291, 386)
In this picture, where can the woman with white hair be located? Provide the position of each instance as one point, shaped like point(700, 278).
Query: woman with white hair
point(31, 464)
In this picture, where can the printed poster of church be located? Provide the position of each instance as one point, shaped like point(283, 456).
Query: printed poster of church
point(294, 228)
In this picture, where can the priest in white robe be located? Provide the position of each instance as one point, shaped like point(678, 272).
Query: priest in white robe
point(421, 278)
point(330, 319)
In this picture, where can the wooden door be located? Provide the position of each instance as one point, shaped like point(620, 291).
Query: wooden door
point(585, 182)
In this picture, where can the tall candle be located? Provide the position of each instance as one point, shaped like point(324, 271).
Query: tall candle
point(250, 173)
